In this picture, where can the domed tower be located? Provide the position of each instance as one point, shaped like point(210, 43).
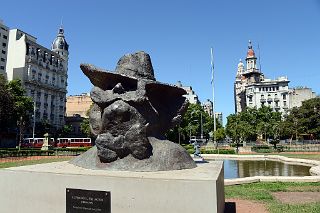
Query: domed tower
point(251, 59)
point(60, 45)
point(240, 68)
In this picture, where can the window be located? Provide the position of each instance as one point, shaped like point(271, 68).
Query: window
point(284, 103)
point(284, 96)
point(1, 67)
point(250, 98)
point(4, 44)
point(3, 52)
point(3, 60)
point(39, 76)
point(5, 37)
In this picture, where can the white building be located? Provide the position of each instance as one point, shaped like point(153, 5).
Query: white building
point(4, 38)
point(299, 94)
point(208, 107)
point(219, 117)
point(42, 71)
point(191, 96)
point(252, 89)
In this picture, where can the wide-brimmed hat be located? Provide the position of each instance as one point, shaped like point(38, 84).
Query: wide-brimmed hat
point(130, 69)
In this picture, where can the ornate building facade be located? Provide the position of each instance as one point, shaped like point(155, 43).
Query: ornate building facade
point(43, 73)
point(252, 89)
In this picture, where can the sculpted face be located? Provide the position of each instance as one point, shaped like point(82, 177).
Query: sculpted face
point(131, 106)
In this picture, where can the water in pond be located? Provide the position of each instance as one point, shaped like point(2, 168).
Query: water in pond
point(246, 168)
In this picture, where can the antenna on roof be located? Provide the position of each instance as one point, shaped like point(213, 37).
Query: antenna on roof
point(259, 58)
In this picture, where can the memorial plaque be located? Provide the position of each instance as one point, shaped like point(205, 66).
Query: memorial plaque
point(85, 201)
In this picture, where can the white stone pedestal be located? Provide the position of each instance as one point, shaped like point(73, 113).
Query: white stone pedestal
point(42, 188)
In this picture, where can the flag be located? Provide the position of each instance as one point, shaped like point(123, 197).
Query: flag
point(212, 66)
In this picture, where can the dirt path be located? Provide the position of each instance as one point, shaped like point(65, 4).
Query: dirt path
point(297, 197)
point(244, 206)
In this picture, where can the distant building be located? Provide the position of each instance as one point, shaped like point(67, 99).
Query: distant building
point(78, 105)
point(4, 39)
point(191, 96)
point(42, 71)
point(75, 123)
point(252, 89)
point(299, 94)
point(219, 117)
point(208, 107)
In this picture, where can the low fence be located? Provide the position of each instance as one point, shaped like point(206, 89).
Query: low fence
point(10, 155)
point(301, 148)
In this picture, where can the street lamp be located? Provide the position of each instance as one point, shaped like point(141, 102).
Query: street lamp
point(34, 120)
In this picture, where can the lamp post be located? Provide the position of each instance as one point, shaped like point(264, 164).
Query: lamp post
point(21, 124)
point(34, 120)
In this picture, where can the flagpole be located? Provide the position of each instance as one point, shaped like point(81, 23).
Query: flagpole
point(213, 101)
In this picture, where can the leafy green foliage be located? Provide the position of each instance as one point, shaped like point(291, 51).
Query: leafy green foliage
point(304, 121)
point(252, 122)
point(14, 105)
point(191, 125)
point(85, 128)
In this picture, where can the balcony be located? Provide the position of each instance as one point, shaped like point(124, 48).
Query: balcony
point(269, 99)
point(276, 99)
point(262, 100)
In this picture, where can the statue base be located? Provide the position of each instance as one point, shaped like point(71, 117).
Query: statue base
point(47, 188)
point(166, 156)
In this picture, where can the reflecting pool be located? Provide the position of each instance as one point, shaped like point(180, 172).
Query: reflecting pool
point(248, 168)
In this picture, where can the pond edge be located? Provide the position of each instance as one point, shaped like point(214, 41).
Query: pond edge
point(314, 170)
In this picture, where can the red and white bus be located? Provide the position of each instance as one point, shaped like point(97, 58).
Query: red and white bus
point(35, 142)
point(61, 142)
point(73, 142)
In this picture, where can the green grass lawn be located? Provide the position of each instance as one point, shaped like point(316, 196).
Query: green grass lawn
point(303, 156)
point(262, 192)
point(31, 162)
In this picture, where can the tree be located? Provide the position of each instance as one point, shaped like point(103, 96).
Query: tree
point(15, 107)
point(6, 106)
point(85, 125)
point(304, 119)
point(191, 125)
point(23, 105)
point(250, 123)
point(85, 128)
point(220, 134)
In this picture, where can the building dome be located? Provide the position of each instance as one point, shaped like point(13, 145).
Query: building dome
point(250, 53)
point(240, 65)
point(60, 42)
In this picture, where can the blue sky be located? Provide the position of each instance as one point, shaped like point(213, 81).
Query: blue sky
point(178, 36)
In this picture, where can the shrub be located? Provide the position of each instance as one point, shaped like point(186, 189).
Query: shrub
point(216, 151)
